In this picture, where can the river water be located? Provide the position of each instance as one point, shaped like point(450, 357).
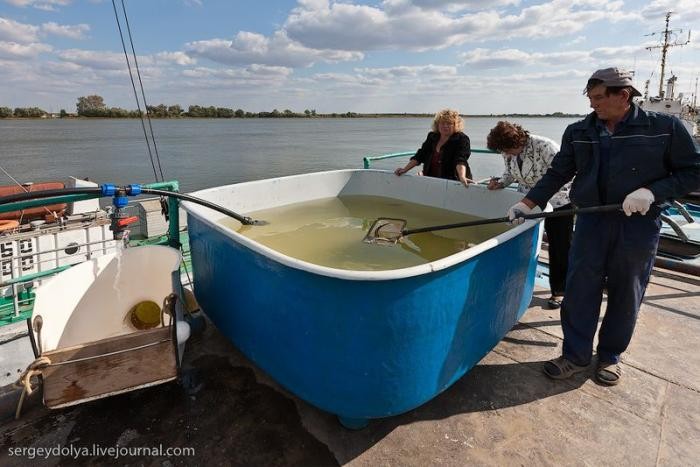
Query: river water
point(202, 153)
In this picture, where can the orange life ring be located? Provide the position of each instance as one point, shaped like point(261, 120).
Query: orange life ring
point(8, 225)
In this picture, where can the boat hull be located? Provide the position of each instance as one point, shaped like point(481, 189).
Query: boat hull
point(361, 344)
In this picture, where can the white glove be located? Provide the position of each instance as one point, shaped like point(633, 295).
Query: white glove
point(516, 211)
point(638, 201)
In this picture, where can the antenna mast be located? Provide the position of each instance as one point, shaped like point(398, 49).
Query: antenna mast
point(664, 49)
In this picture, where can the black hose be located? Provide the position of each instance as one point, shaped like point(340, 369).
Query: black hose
point(18, 197)
point(242, 219)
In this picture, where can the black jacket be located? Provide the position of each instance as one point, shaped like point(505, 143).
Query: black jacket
point(652, 151)
point(455, 151)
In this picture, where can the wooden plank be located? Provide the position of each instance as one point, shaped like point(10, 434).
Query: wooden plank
point(107, 372)
point(109, 345)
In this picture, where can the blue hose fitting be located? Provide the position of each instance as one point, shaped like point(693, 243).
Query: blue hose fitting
point(133, 190)
point(120, 201)
point(108, 189)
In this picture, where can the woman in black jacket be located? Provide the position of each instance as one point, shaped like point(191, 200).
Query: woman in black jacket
point(445, 151)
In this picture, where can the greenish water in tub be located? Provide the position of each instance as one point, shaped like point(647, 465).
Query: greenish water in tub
point(329, 232)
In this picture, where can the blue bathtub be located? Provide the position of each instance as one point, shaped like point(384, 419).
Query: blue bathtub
point(361, 344)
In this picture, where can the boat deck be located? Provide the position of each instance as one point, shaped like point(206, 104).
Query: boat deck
point(503, 412)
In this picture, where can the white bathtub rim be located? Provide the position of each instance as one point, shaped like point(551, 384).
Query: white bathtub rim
point(346, 274)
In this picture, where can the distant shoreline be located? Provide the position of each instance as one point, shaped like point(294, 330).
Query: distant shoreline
point(94, 107)
point(320, 116)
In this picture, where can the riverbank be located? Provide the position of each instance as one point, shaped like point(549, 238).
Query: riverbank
point(319, 116)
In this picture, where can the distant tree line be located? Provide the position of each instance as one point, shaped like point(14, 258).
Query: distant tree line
point(22, 112)
point(94, 106)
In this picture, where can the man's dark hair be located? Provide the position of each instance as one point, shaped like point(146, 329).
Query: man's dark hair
point(609, 89)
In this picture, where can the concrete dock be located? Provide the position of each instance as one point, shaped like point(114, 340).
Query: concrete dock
point(503, 412)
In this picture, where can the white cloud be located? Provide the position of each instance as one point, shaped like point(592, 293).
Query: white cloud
point(448, 5)
point(47, 5)
point(15, 51)
point(62, 68)
point(485, 58)
point(251, 76)
point(251, 72)
point(76, 31)
point(684, 10)
point(400, 79)
point(179, 58)
point(248, 47)
point(399, 72)
point(17, 32)
point(347, 26)
point(508, 58)
point(577, 75)
point(99, 60)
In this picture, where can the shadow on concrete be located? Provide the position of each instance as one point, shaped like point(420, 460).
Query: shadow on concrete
point(484, 388)
point(232, 419)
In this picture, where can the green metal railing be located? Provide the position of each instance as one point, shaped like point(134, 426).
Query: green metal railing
point(19, 305)
point(369, 159)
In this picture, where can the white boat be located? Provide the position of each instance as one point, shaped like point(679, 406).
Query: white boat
point(667, 102)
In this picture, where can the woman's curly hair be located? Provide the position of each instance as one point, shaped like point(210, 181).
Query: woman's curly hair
point(505, 136)
point(448, 115)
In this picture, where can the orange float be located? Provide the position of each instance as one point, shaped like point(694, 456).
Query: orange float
point(8, 225)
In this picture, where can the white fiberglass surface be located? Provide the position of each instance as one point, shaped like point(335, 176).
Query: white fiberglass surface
point(90, 301)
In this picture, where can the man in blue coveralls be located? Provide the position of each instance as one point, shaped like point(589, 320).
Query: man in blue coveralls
point(619, 154)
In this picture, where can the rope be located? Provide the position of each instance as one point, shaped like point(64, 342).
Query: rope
point(25, 380)
point(143, 93)
point(133, 86)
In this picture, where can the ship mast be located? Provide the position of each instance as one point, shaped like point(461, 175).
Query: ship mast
point(664, 49)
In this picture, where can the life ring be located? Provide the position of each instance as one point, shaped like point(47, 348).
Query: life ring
point(8, 225)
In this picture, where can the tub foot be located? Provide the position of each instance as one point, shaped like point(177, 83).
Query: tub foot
point(353, 423)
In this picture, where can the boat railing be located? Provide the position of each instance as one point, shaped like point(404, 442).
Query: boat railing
point(368, 160)
point(17, 299)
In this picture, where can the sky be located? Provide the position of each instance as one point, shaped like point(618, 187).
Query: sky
point(383, 56)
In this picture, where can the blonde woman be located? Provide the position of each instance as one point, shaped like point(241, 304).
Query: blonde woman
point(445, 152)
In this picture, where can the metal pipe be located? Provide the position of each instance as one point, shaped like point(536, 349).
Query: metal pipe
point(678, 266)
point(367, 160)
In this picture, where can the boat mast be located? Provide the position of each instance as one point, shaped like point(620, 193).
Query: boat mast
point(664, 49)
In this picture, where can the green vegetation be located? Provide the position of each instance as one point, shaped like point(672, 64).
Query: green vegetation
point(22, 112)
point(95, 107)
